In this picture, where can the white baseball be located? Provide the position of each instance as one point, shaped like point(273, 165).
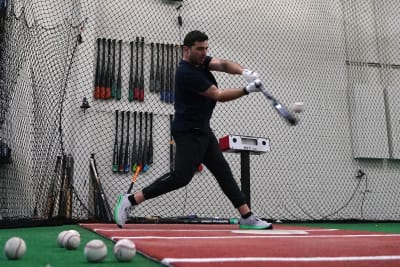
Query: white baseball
point(15, 248)
point(75, 232)
point(297, 107)
point(124, 250)
point(60, 238)
point(95, 251)
point(71, 240)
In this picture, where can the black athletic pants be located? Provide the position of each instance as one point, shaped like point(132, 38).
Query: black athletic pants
point(192, 148)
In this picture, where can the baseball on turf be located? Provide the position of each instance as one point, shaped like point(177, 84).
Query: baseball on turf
point(75, 232)
point(60, 238)
point(15, 248)
point(71, 240)
point(297, 107)
point(95, 251)
point(124, 250)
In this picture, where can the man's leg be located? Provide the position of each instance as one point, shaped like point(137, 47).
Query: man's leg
point(186, 163)
point(215, 161)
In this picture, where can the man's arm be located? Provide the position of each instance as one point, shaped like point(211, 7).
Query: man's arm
point(223, 95)
point(225, 66)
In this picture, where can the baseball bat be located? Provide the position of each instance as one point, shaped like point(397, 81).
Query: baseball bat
point(283, 111)
point(103, 71)
point(126, 156)
point(133, 151)
point(115, 150)
point(119, 79)
point(121, 145)
point(131, 82)
point(140, 145)
point(105, 209)
point(136, 89)
point(98, 71)
point(152, 78)
point(141, 82)
point(107, 93)
point(113, 84)
point(171, 76)
point(150, 150)
point(162, 85)
point(63, 189)
point(134, 178)
point(171, 145)
point(145, 144)
point(167, 76)
point(69, 170)
point(158, 71)
point(51, 196)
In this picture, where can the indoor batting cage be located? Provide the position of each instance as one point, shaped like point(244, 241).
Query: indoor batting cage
point(87, 99)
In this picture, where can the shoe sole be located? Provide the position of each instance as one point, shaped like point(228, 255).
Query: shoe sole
point(253, 227)
point(117, 207)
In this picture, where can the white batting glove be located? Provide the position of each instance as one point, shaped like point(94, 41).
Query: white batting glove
point(249, 75)
point(253, 87)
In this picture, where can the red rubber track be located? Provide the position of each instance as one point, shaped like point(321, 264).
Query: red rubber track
point(195, 245)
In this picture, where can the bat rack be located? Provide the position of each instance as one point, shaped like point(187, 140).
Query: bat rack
point(245, 146)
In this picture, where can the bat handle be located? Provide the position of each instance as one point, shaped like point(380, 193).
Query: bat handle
point(136, 94)
point(126, 168)
point(145, 168)
point(107, 93)
point(118, 94)
point(135, 176)
point(97, 92)
point(141, 95)
point(134, 167)
point(130, 95)
point(115, 168)
point(102, 92)
point(113, 92)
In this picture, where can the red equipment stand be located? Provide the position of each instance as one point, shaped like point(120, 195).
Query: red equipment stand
point(245, 145)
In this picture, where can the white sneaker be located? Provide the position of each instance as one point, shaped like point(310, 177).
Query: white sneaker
point(253, 222)
point(122, 210)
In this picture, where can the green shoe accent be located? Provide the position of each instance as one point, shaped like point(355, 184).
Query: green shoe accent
point(117, 207)
point(253, 227)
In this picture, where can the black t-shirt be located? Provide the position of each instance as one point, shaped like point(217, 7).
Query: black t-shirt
point(192, 110)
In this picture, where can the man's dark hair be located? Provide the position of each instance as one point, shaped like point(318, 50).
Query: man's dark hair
point(194, 36)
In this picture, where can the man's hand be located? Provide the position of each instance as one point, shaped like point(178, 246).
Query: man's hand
point(253, 86)
point(249, 76)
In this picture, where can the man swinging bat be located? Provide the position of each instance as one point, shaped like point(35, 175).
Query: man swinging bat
point(196, 94)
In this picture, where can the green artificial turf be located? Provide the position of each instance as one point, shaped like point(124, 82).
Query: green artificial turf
point(43, 250)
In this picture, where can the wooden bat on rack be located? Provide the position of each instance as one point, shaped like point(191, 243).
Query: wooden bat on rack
point(121, 145)
point(150, 149)
point(126, 155)
point(131, 85)
point(152, 78)
point(141, 81)
point(97, 83)
point(113, 83)
point(107, 93)
point(119, 79)
point(145, 144)
point(115, 150)
point(136, 86)
point(103, 72)
point(133, 151)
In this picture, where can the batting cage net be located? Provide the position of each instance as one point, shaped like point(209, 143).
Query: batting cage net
point(87, 94)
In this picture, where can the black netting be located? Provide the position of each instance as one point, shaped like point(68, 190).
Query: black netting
point(60, 91)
